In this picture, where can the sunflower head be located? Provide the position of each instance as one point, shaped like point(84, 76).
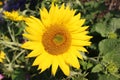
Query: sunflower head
point(14, 15)
point(56, 39)
point(2, 56)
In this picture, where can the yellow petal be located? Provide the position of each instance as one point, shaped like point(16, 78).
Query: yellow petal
point(71, 58)
point(39, 59)
point(81, 29)
point(2, 54)
point(74, 19)
point(34, 53)
point(65, 18)
point(62, 7)
point(32, 37)
point(81, 36)
point(32, 45)
point(63, 66)
point(52, 10)
point(46, 64)
point(54, 65)
point(34, 24)
point(75, 25)
point(44, 16)
point(44, 13)
point(80, 43)
point(77, 53)
point(33, 31)
point(79, 48)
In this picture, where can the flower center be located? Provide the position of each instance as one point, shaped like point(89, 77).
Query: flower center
point(56, 40)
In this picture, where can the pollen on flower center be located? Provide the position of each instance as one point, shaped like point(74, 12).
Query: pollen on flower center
point(56, 40)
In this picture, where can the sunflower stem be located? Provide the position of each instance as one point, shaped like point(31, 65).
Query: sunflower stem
point(7, 59)
point(10, 43)
point(18, 56)
point(11, 32)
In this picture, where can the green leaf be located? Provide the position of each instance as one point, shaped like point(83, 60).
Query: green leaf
point(113, 56)
point(115, 23)
point(97, 68)
point(115, 27)
point(89, 65)
point(107, 45)
point(110, 50)
point(107, 77)
point(102, 29)
point(86, 65)
point(18, 74)
point(108, 29)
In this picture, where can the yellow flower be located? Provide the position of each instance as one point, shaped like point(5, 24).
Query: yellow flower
point(2, 56)
point(14, 15)
point(56, 39)
point(1, 3)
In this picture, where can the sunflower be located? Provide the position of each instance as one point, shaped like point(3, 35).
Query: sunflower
point(14, 15)
point(2, 56)
point(56, 39)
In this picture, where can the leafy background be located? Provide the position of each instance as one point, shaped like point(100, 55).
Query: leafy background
point(102, 62)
